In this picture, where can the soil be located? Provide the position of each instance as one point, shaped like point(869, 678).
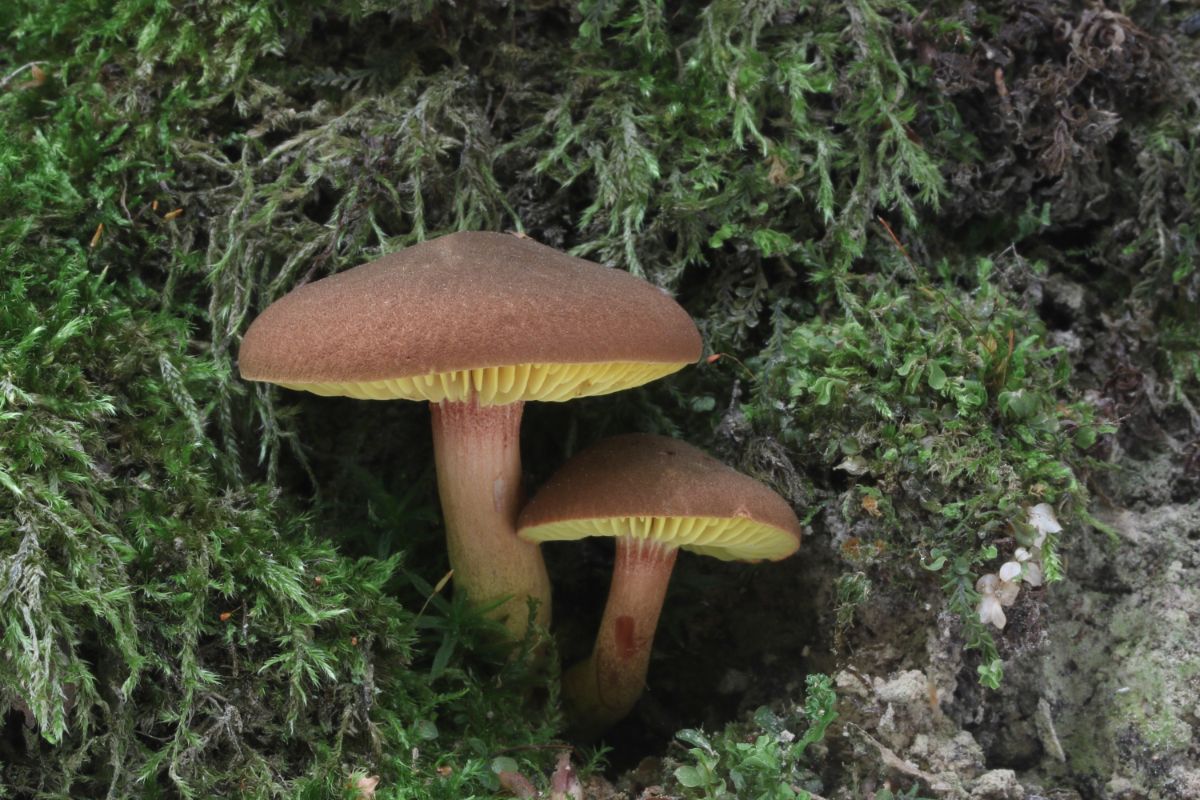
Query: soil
point(1101, 696)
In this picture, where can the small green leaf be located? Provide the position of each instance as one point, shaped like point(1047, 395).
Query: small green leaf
point(442, 658)
point(911, 362)
point(991, 674)
point(723, 233)
point(936, 564)
point(696, 739)
point(1085, 438)
point(689, 777)
point(936, 377)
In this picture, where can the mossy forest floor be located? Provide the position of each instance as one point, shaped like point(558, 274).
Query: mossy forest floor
point(947, 255)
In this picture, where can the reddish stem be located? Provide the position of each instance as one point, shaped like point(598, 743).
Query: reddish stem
point(605, 687)
point(478, 454)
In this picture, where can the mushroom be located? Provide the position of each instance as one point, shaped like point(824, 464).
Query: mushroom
point(475, 323)
point(655, 495)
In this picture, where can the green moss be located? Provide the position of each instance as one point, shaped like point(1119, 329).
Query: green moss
point(948, 413)
point(169, 169)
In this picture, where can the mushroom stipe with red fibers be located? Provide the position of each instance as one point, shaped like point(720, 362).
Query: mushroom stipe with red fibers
point(655, 496)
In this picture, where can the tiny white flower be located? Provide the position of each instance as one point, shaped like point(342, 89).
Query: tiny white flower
point(1010, 571)
point(1024, 567)
point(990, 612)
point(996, 594)
point(1042, 518)
point(1007, 592)
point(986, 584)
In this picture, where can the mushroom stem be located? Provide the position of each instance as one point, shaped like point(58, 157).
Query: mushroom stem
point(604, 688)
point(478, 454)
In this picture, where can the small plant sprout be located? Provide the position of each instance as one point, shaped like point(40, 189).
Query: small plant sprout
point(999, 591)
point(476, 324)
point(655, 496)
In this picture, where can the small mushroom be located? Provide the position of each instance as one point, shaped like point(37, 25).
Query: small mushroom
point(654, 495)
point(476, 324)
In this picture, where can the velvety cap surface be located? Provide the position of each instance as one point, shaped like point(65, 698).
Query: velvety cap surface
point(468, 302)
point(657, 487)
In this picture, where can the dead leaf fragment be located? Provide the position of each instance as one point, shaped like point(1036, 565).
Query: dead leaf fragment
point(564, 784)
point(366, 786)
point(517, 784)
point(871, 505)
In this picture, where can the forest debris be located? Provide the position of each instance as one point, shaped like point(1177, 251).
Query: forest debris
point(38, 76)
point(366, 786)
point(999, 784)
point(1046, 732)
point(564, 784)
point(517, 785)
point(894, 762)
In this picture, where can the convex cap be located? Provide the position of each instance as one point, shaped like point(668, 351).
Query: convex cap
point(488, 316)
point(657, 488)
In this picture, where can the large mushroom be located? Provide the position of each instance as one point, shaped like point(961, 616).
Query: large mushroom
point(654, 495)
point(476, 324)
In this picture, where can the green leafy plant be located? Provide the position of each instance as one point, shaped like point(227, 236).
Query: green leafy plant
point(767, 763)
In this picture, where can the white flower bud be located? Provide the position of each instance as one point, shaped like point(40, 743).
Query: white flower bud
point(990, 612)
point(1010, 571)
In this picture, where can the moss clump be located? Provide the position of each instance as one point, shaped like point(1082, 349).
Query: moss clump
point(946, 415)
point(167, 170)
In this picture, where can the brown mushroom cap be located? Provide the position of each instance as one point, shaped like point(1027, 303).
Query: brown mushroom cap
point(486, 315)
point(655, 487)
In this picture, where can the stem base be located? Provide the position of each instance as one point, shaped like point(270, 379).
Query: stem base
point(602, 689)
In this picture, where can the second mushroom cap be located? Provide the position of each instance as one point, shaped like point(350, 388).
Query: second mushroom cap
point(655, 487)
point(654, 495)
